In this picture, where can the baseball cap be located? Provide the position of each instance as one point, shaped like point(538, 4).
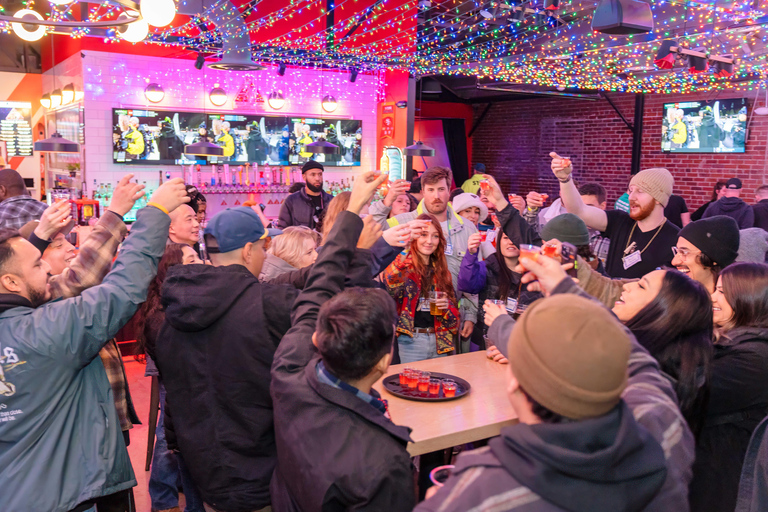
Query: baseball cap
point(235, 227)
point(733, 184)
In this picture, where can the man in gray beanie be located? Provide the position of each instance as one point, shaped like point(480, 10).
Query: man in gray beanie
point(705, 247)
point(641, 241)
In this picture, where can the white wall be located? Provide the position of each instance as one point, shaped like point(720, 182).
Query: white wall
point(118, 81)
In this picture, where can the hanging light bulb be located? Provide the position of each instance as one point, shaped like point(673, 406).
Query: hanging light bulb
point(45, 101)
point(68, 94)
point(218, 96)
point(158, 13)
point(79, 95)
point(276, 100)
point(27, 31)
point(154, 93)
point(329, 103)
point(56, 98)
point(134, 32)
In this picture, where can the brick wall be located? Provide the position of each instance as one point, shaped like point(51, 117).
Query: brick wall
point(515, 139)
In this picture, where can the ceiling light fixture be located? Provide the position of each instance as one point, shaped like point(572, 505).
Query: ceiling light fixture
point(418, 149)
point(158, 13)
point(57, 144)
point(68, 94)
point(56, 98)
point(218, 96)
point(329, 103)
point(276, 100)
point(136, 31)
point(27, 31)
point(321, 146)
point(45, 101)
point(154, 93)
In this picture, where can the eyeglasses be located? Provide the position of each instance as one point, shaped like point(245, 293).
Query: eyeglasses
point(684, 253)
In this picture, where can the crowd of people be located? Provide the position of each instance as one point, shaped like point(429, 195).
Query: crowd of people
point(635, 342)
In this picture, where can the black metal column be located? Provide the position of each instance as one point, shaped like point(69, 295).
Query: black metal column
point(637, 133)
point(330, 20)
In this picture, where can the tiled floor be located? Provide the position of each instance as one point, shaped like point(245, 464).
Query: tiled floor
point(140, 390)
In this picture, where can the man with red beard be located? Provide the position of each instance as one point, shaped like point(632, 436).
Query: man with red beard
point(642, 240)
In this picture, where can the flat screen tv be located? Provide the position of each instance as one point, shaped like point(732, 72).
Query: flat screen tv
point(158, 137)
point(717, 126)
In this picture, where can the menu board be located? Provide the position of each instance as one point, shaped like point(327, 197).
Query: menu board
point(16, 127)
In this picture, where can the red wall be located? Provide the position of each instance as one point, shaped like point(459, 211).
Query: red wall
point(515, 138)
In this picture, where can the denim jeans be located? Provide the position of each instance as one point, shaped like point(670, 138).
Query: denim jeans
point(166, 474)
point(417, 348)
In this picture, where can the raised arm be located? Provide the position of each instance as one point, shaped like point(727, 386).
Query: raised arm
point(94, 317)
point(593, 217)
point(97, 251)
point(325, 280)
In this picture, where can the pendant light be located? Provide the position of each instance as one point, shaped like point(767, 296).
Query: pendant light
point(205, 148)
point(68, 94)
point(321, 146)
point(56, 143)
point(418, 149)
point(45, 100)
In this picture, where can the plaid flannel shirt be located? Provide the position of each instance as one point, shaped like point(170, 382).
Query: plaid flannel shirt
point(18, 210)
point(88, 269)
point(326, 377)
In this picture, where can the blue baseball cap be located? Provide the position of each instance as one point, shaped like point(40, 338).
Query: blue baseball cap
point(235, 227)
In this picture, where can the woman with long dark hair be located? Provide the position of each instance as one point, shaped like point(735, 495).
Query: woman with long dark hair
point(739, 385)
point(416, 273)
point(167, 469)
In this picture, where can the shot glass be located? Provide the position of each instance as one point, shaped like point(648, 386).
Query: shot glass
point(511, 197)
point(449, 388)
point(424, 382)
point(413, 379)
point(530, 251)
point(434, 387)
point(549, 250)
point(404, 376)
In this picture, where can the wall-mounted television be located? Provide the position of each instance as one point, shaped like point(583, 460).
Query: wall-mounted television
point(158, 137)
point(717, 126)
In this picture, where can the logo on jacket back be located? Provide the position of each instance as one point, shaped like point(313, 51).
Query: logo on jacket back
point(8, 361)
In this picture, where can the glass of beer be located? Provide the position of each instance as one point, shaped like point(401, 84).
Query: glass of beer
point(434, 387)
point(434, 309)
point(530, 251)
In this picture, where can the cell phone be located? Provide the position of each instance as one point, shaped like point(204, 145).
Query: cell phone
point(261, 205)
point(568, 255)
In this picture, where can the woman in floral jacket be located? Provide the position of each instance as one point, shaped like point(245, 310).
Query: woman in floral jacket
point(416, 272)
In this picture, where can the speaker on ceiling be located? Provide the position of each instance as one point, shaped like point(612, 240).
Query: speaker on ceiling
point(622, 17)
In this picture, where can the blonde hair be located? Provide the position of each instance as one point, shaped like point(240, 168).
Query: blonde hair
point(289, 246)
point(337, 205)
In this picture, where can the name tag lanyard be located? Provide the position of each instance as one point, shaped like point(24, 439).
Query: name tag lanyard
point(632, 246)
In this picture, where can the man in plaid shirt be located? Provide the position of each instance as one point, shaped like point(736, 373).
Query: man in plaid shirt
point(71, 274)
point(16, 206)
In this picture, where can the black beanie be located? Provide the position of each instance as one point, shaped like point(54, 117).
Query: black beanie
point(717, 237)
point(312, 165)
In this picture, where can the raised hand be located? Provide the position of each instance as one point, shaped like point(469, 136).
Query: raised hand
point(396, 188)
point(473, 243)
point(494, 195)
point(534, 199)
point(364, 188)
point(54, 219)
point(371, 232)
point(170, 195)
point(398, 236)
point(561, 166)
point(417, 227)
point(125, 195)
point(544, 274)
point(519, 203)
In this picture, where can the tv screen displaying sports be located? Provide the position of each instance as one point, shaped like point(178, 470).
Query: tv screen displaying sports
point(149, 137)
point(717, 126)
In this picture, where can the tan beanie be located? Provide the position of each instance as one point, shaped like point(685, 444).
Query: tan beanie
point(657, 182)
point(570, 354)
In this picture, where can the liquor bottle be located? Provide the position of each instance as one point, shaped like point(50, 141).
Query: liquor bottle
point(213, 175)
point(94, 190)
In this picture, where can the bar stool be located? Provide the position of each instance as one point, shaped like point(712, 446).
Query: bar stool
point(154, 408)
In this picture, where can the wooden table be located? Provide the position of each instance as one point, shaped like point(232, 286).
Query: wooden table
point(440, 425)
